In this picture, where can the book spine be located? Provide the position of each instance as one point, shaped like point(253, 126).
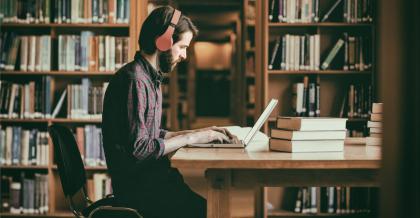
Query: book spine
point(332, 54)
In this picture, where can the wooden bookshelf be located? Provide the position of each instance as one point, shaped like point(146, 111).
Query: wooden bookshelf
point(334, 81)
point(320, 24)
point(67, 25)
point(57, 73)
point(321, 72)
point(57, 203)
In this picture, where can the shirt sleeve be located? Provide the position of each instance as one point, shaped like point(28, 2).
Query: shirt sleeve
point(144, 147)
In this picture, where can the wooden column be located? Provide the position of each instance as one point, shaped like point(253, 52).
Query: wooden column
point(218, 187)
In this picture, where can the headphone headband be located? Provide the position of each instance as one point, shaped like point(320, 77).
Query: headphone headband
point(164, 42)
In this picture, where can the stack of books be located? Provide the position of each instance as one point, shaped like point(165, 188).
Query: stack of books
point(375, 125)
point(308, 134)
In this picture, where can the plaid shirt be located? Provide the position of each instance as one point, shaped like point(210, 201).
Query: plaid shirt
point(132, 116)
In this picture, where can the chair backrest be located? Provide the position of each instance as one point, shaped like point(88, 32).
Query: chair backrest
point(70, 166)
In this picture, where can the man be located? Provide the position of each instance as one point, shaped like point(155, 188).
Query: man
point(136, 149)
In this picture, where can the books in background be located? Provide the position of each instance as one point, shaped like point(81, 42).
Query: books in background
point(251, 94)
point(26, 195)
point(299, 134)
point(355, 137)
point(307, 11)
point(375, 125)
point(85, 100)
point(356, 103)
point(88, 52)
point(99, 186)
point(294, 11)
point(65, 11)
point(357, 52)
point(333, 200)
point(25, 53)
point(19, 146)
point(306, 98)
point(89, 141)
point(30, 100)
point(295, 52)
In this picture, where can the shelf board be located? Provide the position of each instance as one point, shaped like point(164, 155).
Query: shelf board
point(68, 25)
point(63, 214)
point(324, 72)
point(23, 167)
point(321, 24)
point(60, 73)
point(55, 120)
point(284, 213)
point(98, 168)
point(19, 120)
point(66, 120)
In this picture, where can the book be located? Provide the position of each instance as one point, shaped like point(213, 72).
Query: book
point(332, 54)
point(307, 135)
point(375, 130)
point(306, 146)
point(311, 123)
point(376, 135)
point(355, 140)
point(333, 7)
point(375, 117)
point(377, 108)
point(373, 124)
point(373, 141)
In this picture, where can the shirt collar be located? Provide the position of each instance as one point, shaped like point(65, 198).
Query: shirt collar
point(154, 74)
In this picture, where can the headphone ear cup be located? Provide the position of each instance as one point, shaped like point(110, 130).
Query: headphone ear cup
point(164, 42)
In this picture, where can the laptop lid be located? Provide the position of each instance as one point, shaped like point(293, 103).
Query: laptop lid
point(261, 120)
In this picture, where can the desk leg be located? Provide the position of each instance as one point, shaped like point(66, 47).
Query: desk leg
point(218, 199)
point(260, 199)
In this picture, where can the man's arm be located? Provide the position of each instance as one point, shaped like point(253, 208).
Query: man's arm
point(169, 135)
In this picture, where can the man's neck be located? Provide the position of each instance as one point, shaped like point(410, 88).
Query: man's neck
point(151, 59)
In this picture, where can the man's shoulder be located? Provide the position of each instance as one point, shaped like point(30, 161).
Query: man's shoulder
point(131, 71)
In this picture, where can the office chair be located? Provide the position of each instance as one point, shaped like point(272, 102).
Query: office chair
point(73, 180)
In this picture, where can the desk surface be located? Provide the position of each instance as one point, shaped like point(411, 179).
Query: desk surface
point(353, 157)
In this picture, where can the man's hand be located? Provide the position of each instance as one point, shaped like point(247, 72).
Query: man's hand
point(207, 136)
point(232, 138)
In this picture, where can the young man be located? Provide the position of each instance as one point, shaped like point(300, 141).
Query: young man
point(136, 149)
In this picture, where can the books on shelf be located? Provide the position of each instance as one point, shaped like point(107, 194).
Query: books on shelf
point(306, 98)
point(65, 11)
point(295, 52)
point(89, 142)
point(332, 200)
point(298, 134)
point(25, 147)
point(85, 100)
point(30, 100)
point(307, 11)
point(357, 52)
point(357, 101)
point(333, 53)
point(26, 195)
point(87, 52)
point(99, 186)
point(294, 11)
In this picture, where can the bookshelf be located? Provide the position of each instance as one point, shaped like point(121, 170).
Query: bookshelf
point(31, 24)
point(274, 24)
point(248, 56)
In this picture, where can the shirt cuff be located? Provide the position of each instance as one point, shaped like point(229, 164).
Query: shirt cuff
point(161, 144)
point(162, 133)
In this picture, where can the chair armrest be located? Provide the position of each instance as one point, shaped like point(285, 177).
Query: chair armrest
point(114, 212)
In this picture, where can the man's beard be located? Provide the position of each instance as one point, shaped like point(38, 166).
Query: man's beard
point(165, 61)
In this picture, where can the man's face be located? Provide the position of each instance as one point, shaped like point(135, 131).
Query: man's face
point(178, 52)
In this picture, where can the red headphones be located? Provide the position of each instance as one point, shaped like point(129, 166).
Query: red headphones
point(164, 42)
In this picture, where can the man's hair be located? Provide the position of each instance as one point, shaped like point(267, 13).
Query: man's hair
point(157, 23)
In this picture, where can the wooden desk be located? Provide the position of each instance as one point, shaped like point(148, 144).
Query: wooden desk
point(225, 168)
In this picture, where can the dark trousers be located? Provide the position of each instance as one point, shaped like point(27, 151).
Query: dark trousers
point(163, 195)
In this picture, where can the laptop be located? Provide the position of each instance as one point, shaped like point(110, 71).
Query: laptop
point(248, 138)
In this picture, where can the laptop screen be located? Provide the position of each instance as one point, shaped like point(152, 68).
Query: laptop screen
point(261, 120)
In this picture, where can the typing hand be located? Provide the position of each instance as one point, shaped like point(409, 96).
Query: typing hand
point(232, 138)
point(209, 136)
